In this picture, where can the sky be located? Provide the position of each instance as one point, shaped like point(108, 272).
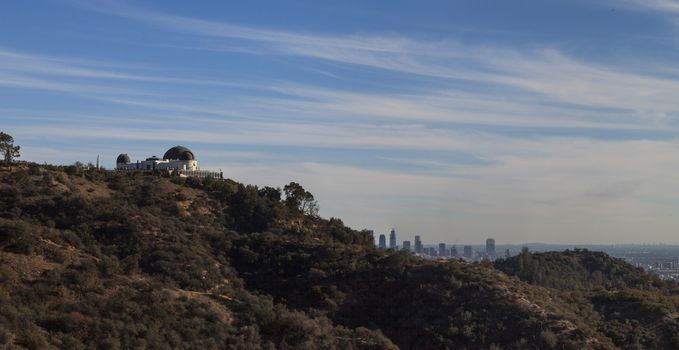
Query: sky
point(525, 121)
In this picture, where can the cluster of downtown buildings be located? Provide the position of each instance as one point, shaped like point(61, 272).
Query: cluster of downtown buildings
point(441, 251)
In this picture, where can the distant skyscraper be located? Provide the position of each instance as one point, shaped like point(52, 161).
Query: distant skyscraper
point(468, 251)
point(383, 242)
point(442, 250)
point(392, 239)
point(453, 251)
point(371, 234)
point(418, 245)
point(490, 248)
point(406, 246)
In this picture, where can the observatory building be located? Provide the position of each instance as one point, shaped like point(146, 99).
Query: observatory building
point(178, 158)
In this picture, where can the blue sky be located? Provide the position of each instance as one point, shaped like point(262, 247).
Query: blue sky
point(551, 121)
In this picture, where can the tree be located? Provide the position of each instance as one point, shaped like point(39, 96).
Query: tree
point(270, 193)
point(296, 197)
point(7, 147)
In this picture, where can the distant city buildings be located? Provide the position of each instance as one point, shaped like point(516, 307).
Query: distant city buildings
point(468, 252)
point(383, 242)
point(418, 245)
point(490, 248)
point(440, 250)
point(661, 260)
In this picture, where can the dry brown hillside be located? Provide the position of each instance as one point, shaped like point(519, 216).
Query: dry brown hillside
point(95, 259)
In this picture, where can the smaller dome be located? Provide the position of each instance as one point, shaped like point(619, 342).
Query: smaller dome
point(179, 153)
point(123, 158)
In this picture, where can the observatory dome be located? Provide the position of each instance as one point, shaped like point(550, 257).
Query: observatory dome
point(123, 158)
point(179, 153)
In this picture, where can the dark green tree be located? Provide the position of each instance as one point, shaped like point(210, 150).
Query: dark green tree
point(296, 197)
point(270, 193)
point(7, 147)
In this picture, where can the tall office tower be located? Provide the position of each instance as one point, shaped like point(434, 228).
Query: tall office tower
point(418, 245)
point(383, 242)
point(406, 246)
point(442, 250)
point(392, 239)
point(490, 248)
point(453, 252)
point(371, 234)
point(468, 251)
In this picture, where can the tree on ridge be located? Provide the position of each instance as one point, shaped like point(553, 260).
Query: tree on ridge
point(7, 148)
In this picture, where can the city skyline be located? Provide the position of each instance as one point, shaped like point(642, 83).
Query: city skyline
point(527, 121)
point(434, 249)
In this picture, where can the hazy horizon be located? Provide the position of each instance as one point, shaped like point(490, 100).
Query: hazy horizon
point(523, 121)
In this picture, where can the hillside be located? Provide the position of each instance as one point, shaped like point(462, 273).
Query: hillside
point(633, 308)
point(113, 260)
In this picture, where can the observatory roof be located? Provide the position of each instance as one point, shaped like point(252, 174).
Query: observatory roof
point(123, 158)
point(179, 153)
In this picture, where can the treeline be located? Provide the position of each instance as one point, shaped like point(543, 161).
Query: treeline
point(577, 269)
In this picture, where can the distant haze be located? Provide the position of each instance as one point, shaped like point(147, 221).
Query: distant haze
point(524, 121)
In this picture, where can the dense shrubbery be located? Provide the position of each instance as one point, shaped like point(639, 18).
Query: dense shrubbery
point(633, 308)
point(417, 304)
point(119, 260)
point(577, 269)
point(128, 260)
point(17, 237)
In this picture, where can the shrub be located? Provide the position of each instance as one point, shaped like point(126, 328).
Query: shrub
point(15, 237)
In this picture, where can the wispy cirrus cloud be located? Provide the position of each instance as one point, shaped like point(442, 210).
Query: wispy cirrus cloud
point(633, 101)
point(50, 73)
point(666, 6)
point(545, 74)
point(513, 108)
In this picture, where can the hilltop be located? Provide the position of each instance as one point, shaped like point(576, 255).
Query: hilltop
point(118, 260)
